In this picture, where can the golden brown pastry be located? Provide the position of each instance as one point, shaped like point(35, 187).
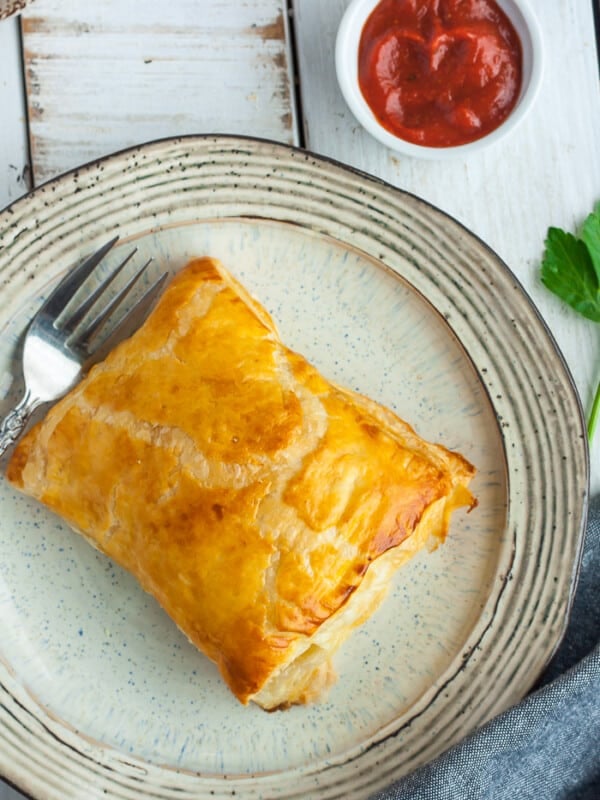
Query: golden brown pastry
point(265, 508)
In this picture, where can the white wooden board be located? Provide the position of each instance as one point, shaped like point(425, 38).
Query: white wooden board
point(546, 173)
point(14, 157)
point(104, 76)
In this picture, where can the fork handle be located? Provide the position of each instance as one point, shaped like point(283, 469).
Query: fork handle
point(12, 425)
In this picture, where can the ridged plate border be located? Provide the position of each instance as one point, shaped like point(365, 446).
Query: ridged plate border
point(191, 178)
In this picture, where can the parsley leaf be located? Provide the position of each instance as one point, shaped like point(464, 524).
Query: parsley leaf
point(571, 270)
point(590, 233)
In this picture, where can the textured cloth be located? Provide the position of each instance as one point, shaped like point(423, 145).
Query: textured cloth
point(548, 746)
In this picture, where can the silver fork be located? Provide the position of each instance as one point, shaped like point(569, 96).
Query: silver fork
point(62, 342)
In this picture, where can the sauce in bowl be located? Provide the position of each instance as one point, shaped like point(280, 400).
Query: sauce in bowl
point(439, 73)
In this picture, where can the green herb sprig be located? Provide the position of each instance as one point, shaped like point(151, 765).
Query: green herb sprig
point(571, 270)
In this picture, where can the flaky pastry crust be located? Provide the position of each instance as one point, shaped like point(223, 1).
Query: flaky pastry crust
point(265, 508)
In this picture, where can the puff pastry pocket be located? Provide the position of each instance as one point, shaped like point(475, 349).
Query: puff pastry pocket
point(263, 507)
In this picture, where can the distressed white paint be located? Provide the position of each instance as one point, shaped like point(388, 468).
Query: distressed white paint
point(14, 167)
point(546, 173)
point(103, 76)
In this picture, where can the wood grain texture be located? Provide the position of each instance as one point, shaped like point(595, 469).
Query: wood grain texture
point(10, 7)
point(546, 173)
point(14, 158)
point(103, 76)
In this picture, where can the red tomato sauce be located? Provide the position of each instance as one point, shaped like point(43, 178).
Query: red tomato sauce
point(439, 73)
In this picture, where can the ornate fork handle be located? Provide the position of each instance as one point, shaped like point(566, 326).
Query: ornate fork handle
point(12, 425)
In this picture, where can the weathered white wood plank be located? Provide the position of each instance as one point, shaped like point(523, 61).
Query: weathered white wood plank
point(103, 76)
point(14, 165)
point(10, 7)
point(546, 173)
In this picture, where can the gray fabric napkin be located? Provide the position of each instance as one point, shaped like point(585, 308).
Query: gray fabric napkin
point(548, 746)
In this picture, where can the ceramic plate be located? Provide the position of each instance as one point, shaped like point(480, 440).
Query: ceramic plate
point(100, 695)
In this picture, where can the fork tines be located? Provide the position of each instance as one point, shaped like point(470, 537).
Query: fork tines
point(89, 318)
point(94, 326)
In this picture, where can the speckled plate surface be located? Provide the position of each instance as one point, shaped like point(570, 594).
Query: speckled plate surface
point(99, 693)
